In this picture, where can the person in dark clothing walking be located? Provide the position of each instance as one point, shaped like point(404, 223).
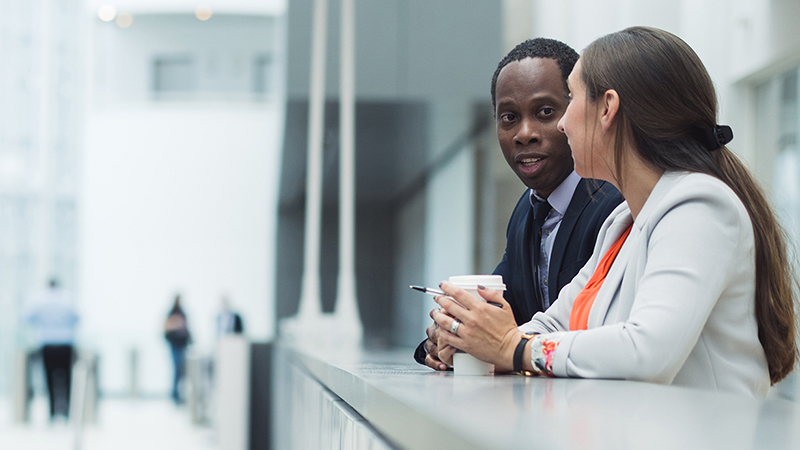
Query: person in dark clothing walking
point(177, 334)
point(54, 317)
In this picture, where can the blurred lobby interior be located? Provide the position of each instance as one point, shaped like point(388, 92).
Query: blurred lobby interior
point(154, 148)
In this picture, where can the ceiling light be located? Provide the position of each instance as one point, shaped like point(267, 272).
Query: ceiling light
point(203, 12)
point(106, 13)
point(124, 20)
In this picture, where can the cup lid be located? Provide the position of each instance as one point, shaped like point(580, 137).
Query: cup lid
point(472, 281)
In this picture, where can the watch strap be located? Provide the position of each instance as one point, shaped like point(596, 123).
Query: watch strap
point(519, 351)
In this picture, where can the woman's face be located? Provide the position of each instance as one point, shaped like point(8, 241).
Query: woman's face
point(581, 124)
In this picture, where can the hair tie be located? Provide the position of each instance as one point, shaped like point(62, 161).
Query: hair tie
point(716, 136)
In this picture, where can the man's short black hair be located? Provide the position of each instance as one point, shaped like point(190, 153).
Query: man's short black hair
point(564, 55)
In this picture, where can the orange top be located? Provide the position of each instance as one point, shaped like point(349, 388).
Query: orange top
point(579, 316)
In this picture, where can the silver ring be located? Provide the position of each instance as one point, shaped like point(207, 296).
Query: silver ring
point(454, 327)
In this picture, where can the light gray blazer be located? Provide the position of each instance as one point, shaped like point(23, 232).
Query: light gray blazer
point(677, 306)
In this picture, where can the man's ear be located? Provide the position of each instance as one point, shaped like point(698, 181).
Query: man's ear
point(609, 109)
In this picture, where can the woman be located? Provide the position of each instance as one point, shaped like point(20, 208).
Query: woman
point(689, 283)
point(176, 332)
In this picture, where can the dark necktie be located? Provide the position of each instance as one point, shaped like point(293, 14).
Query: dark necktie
point(540, 211)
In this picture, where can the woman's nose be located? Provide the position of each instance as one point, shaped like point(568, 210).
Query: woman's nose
point(560, 124)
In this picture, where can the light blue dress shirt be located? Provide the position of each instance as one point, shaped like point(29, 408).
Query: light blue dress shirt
point(559, 199)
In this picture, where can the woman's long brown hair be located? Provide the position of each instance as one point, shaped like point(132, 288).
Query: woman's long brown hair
point(667, 99)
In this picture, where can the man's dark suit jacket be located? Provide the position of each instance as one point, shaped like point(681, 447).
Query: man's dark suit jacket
point(591, 203)
point(238, 327)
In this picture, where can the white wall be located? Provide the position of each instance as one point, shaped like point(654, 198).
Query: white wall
point(223, 51)
point(176, 198)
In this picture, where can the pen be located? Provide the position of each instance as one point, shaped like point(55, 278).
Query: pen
point(433, 291)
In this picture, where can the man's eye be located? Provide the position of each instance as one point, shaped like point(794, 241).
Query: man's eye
point(548, 111)
point(507, 117)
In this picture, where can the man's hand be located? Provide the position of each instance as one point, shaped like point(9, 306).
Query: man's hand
point(432, 347)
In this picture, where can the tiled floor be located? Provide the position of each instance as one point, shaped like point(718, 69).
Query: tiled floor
point(123, 424)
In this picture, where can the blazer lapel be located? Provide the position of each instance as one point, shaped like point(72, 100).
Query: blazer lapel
point(613, 280)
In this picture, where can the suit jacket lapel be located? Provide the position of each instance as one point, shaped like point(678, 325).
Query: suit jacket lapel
point(580, 199)
point(525, 241)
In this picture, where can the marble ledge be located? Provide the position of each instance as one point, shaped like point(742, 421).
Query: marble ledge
point(418, 408)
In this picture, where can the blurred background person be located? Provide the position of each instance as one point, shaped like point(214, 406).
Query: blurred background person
point(176, 331)
point(53, 317)
point(228, 321)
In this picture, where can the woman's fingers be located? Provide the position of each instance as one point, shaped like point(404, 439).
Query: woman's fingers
point(492, 296)
point(447, 325)
point(448, 308)
point(464, 299)
point(482, 330)
point(465, 303)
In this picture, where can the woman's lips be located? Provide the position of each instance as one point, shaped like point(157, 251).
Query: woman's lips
point(529, 166)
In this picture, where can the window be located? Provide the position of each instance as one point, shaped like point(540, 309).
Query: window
point(262, 74)
point(778, 131)
point(174, 74)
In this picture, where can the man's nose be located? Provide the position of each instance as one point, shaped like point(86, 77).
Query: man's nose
point(527, 133)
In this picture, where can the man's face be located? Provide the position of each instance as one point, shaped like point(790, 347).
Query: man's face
point(531, 98)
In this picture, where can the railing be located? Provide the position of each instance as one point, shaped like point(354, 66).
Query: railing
point(83, 392)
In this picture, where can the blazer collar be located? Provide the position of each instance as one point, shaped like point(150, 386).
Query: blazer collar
point(621, 221)
point(667, 181)
point(613, 281)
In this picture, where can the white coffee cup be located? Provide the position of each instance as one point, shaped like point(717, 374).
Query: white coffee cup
point(463, 363)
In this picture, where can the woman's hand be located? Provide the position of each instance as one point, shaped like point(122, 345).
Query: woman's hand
point(486, 332)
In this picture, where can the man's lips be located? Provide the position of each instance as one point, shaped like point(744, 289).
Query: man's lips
point(529, 161)
point(530, 165)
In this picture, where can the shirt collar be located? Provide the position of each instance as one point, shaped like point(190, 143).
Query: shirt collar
point(560, 197)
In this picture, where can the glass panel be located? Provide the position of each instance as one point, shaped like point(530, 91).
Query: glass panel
point(786, 184)
point(262, 74)
point(174, 74)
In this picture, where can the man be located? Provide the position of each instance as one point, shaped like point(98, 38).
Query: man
point(553, 229)
point(228, 320)
point(53, 316)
